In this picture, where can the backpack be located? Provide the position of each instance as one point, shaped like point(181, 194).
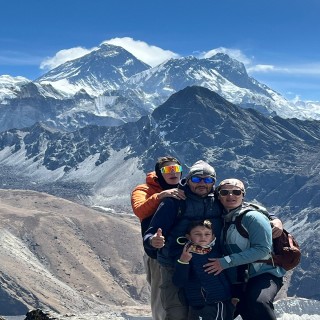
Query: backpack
point(287, 253)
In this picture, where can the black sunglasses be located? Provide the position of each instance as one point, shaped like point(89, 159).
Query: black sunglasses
point(207, 180)
point(225, 192)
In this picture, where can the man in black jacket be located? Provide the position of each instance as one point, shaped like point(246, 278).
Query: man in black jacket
point(171, 221)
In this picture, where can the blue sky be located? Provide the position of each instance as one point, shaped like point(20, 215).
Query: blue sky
point(278, 40)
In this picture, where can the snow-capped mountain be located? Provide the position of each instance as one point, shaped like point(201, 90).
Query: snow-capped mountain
point(220, 73)
point(109, 86)
point(31, 102)
point(20, 87)
point(104, 69)
point(99, 166)
point(9, 86)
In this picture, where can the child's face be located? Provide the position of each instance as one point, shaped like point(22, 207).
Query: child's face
point(201, 235)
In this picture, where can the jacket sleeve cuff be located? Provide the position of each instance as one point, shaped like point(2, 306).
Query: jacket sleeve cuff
point(147, 241)
point(225, 262)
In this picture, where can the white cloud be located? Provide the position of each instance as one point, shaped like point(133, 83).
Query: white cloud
point(149, 54)
point(261, 68)
point(252, 68)
point(63, 56)
point(303, 69)
point(233, 53)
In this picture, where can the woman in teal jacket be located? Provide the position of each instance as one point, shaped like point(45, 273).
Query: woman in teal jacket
point(260, 282)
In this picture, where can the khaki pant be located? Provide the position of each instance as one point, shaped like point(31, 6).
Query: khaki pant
point(171, 300)
point(152, 268)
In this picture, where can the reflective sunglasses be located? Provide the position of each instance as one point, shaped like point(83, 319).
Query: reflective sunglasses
point(171, 169)
point(225, 192)
point(207, 180)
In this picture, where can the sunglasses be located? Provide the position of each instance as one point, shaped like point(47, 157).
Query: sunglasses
point(225, 192)
point(207, 180)
point(171, 169)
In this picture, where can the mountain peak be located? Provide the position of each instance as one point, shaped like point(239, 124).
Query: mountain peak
point(105, 68)
point(224, 57)
point(227, 66)
point(192, 101)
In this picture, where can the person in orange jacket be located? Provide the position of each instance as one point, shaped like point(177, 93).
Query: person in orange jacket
point(145, 199)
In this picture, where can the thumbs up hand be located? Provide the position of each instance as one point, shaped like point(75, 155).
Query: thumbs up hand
point(157, 240)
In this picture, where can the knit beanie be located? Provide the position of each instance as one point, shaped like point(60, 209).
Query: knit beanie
point(201, 168)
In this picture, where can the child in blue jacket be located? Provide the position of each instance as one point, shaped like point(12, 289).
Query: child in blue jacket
point(208, 296)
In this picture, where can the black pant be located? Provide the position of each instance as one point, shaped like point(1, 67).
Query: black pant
point(256, 298)
point(219, 310)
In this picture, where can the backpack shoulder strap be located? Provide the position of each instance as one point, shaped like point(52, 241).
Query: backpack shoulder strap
point(246, 207)
point(243, 232)
point(249, 206)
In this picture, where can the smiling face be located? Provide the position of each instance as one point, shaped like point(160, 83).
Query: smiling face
point(200, 235)
point(172, 177)
point(229, 199)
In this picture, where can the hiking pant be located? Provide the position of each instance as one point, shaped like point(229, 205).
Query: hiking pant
point(152, 268)
point(171, 297)
point(256, 299)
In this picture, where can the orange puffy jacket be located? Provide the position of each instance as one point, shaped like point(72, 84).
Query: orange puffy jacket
point(144, 197)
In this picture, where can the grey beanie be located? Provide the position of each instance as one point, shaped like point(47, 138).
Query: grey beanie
point(201, 168)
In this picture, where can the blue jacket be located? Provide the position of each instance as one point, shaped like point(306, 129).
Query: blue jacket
point(173, 217)
point(201, 288)
point(242, 250)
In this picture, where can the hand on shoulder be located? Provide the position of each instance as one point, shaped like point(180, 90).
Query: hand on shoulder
point(172, 193)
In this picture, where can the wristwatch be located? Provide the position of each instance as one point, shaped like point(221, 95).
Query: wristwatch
point(227, 258)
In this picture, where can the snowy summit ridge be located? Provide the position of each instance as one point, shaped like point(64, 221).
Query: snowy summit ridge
point(123, 88)
point(105, 68)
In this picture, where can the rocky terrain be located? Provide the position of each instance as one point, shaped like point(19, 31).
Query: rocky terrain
point(68, 258)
